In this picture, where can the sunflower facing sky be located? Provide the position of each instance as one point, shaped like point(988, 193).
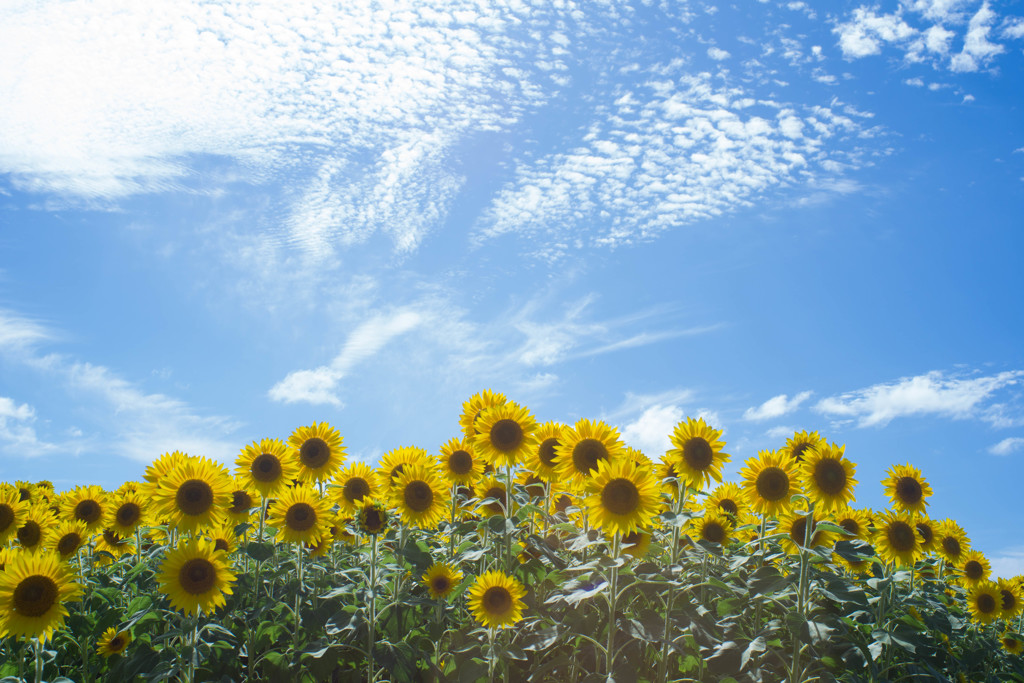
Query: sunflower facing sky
point(697, 450)
point(317, 450)
point(907, 489)
point(496, 600)
point(420, 496)
point(195, 576)
point(266, 466)
point(34, 588)
point(827, 476)
point(622, 498)
point(770, 480)
point(582, 447)
point(505, 434)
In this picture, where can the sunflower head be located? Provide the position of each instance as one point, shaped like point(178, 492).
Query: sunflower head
point(113, 642)
point(1011, 593)
point(195, 576)
point(622, 498)
point(35, 533)
point(33, 590)
point(985, 602)
point(794, 525)
point(828, 476)
point(770, 481)
point(352, 484)
point(459, 463)
point(127, 512)
point(420, 497)
point(441, 579)
point(727, 499)
point(495, 599)
point(266, 466)
point(372, 517)
point(974, 568)
point(495, 490)
point(394, 462)
point(68, 538)
point(896, 539)
point(636, 543)
point(506, 434)
point(87, 504)
point(697, 452)
point(907, 489)
point(855, 522)
point(12, 512)
point(583, 448)
point(543, 459)
point(194, 495)
point(951, 541)
point(476, 405)
point(713, 527)
point(300, 515)
point(800, 443)
point(927, 530)
point(317, 450)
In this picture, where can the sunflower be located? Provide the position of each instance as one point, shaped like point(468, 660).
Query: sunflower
point(495, 489)
point(459, 462)
point(243, 500)
point(163, 465)
point(985, 602)
point(441, 579)
point(224, 538)
point(68, 537)
point(974, 568)
point(127, 512)
point(583, 447)
point(495, 599)
point(713, 527)
point(322, 545)
point(727, 499)
point(770, 480)
point(116, 545)
point(533, 485)
point(565, 505)
point(505, 434)
point(352, 484)
point(906, 488)
point(1011, 593)
point(666, 473)
point(828, 476)
point(698, 452)
point(472, 409)
point(195, 576)
point(194, 495)
point(856, 523)
point(34, 534)
point(113, 642)
point(33, 590)
point(797, 445)
point(300, 515)
point(896, 539)
point(266, 467)
point(636, 543)
point(1012, 643)
point(794, 525)
point(543, 460)
point(951, 541)
point(639, 459)
point(420, 497)
point(12, 512)
point(318, 451)
point(87, 504)
point(372, 516)
point(394, 462)
point(927, 530)
point(622, 497)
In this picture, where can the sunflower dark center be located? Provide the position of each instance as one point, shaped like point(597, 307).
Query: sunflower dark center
point(534, 486)
point(798, 451)
point(632, 538)
point(850, 526)
point(6, 516)
point(909, 491)
point(1009, 600)
point(372, 521)
point(197, 576)
point(355, 489)
point(902, 537)
point(418, 495)
point(35, 595)
point(314, 453)
point(24, 494)
point(194, 497)
point(586, 454)
point(927, 534)
point(798, 531)
point(300, 517)
point(974, 570)
point(497, 600)
point(128, 514)
point(546, 451)
point(986, 603)
point(220, 544)
point(117, 643)
point(241, 502)
point(460, 463)
point(729, 506)
point(506, 435)
point(112, 538)
point(772, 484)
point(951, 546)
point(713, 532)
point(698, 454)
point(562, 503)
point(501, 500)
point(88, 511)
point(830, 475)
point(69, 543)
point(440, 584)
point(397, 470)
point(620, 497)
point(266, 468)
point(30, 534)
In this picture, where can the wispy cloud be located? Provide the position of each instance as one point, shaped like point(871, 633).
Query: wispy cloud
point(1008, 562)
point(1007, 446)
point(934, 393)
point(16, 432)
point(777, 406)
point(18, 333)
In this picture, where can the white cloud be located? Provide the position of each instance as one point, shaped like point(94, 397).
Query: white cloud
point(17, 436)
point(1013, 29)
point(717, 54)
point(319, 386)
point(650, 431)
point(18, 333)
point(867, 31)
point(1008, 562)
point(1006, 446)
point(978, 50)
point(780, 432)
point(933, 393)
point(776, 406)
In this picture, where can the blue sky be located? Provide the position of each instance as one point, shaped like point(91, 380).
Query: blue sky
point(219, 222)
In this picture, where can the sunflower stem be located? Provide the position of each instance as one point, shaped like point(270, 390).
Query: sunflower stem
point(39, 659)
point(674, 555)
point(613, 583)
point(805, 555)
point(298, 595)
point(371, 634)
point(492, 660)
point(510, 502)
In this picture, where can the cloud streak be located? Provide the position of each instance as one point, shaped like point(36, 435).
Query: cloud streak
point(777, 406)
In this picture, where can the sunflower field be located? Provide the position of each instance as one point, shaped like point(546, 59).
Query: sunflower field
point(520, 551)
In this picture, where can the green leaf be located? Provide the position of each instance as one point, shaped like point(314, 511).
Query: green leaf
point(260, 552)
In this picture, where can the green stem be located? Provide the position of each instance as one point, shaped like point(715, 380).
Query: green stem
point(491, 658)
point(674, 554)
point(298, 595)
point(510, 500)
point(613, 584)
point(39, 660)
point(805, 555)
point(371, 632)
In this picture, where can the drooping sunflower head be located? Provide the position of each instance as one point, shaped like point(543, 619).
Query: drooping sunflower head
point(974, 568)
point(713, 527)
point(372, 517)
point(318, 451)
point(493, 496)
point(476, 405)
point(495, 600)
point(12, 512)
point(583, 448)
point(951, 542)
point(441, 579)
point(33, 590)
point(794, 525)
point(622, 498)
point(87, 504)
point(770, 481)
point(394, 462)
point(127, 512)
point(1011, 593)
point(828, 476)
point(266, 466)
point(505, 434)
point(907, 489)
point(420, 497)
point(195, 576)
point(113, 642)
point(697, 451)
point(543, 459)
point(194, 495)
point(985, 602)
point(300, 515)
point(896, 539)
point(352, 484)
point(797, 445)
point(459, 462)
point(726, 499)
